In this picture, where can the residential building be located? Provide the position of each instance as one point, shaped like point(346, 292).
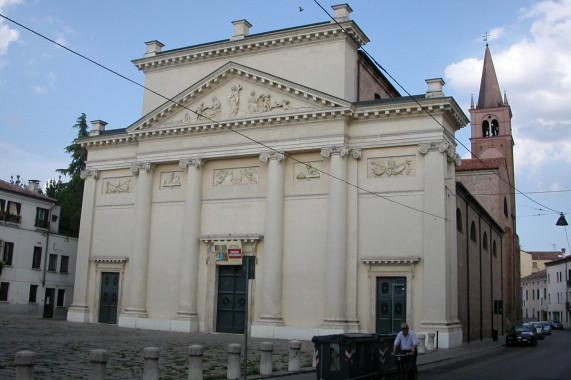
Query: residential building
point(38, 263)
point(535, 301)
point(534, 261)
point(559, 290)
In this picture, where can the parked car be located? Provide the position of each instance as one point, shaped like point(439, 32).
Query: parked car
point(521, 334)
point(539, 329)
point(546, 327)
point(555, 324)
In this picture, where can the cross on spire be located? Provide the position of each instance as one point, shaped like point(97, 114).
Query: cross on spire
point(486, 35)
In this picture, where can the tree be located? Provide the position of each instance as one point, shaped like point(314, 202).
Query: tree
point(78, 153)
point(70, 194)
point(18, 181)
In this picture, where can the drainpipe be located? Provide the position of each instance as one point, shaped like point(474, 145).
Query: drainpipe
point(47, 246)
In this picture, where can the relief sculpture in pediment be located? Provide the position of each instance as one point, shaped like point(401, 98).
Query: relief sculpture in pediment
point(264, 103)
point(226, 103)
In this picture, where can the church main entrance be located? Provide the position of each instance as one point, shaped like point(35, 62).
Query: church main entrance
point(391, 304)
point(231, 302)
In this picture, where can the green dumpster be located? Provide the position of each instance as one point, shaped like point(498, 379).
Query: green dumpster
point(383, 362)
point(344, 356)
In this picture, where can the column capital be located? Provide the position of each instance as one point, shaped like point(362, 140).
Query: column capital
point(442, 147)
point(197, 162)
point(138, 166)
point(342, 150)
point(272, 155)
point(89, 173)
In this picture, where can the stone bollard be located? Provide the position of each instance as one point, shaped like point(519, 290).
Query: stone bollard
point(195, 362)
point(25, 361)
point(421, 344)
point(151, 364)
point(233, 371)
point(266, 350)
point(294, 362)
point(98, 359)
point(430, 342)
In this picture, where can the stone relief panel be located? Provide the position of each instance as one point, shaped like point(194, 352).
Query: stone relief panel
point(308, 171)
point(236, 176)
point(117, 185)
point(391, 166)
point(232, 101)
point(171, 180)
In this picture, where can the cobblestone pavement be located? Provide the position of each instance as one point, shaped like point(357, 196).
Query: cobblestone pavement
point(62, 349)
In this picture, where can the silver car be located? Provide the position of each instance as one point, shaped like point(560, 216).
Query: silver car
point(546, 327)
point(539, 328)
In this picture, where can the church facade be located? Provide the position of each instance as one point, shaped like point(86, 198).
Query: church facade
point(291, 152)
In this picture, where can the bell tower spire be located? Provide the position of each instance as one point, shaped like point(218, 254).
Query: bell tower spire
point(491, 132)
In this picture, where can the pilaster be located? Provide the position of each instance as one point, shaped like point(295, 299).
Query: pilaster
point(79, 309)
point(188, 286)
point(335, 316)
point(136, 304)
point(440, 311)
point(272, 268)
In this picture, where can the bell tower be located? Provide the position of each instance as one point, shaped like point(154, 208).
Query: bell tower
point(491, 134)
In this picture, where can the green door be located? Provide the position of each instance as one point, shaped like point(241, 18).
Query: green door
point(109, 298)
point(391, 304)
point(231, 303)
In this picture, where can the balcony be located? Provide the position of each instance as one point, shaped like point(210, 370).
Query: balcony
point(10, 218)
point(42, 223)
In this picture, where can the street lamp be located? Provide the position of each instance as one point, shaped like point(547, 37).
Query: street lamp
point(562, 222)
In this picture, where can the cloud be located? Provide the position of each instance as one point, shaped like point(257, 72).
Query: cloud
point(535, 72)
point(51, 79)
point(7, 36)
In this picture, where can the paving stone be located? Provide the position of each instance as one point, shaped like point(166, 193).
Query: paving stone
point(62, 349)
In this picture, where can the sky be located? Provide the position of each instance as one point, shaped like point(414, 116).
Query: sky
point(45, 88)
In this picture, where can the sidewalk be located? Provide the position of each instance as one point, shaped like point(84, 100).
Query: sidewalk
point(62, 350)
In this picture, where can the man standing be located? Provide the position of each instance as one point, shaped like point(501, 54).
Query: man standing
point(407, 342)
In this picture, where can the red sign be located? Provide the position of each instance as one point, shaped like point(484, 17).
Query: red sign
point(234, 253)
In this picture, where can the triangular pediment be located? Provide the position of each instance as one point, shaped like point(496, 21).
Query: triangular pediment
point(234, 93)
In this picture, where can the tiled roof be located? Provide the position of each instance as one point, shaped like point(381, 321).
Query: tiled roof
point(545, 255)
point(7, 186)
point(479, 164)
point(535, 276)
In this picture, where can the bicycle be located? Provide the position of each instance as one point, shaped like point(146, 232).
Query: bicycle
point(405, 366)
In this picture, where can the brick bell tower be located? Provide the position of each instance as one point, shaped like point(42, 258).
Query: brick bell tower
point(491, 137)
point(491, 120)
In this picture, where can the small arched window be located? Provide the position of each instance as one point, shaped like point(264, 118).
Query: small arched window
point(377, 96)
point(473, 235)
point(506, 213)
point(494, 248)
point(459, 220)
point(485, 241)
point(495, 128)
point(486, 128)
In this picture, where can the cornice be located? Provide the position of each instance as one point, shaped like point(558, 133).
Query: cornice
point(446, 106)
point(390, 260)
point(251, 44)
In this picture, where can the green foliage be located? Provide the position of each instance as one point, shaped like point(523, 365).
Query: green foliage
point(18, 181)
point(70, 194)
point(53, 187)
point(78, 154)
